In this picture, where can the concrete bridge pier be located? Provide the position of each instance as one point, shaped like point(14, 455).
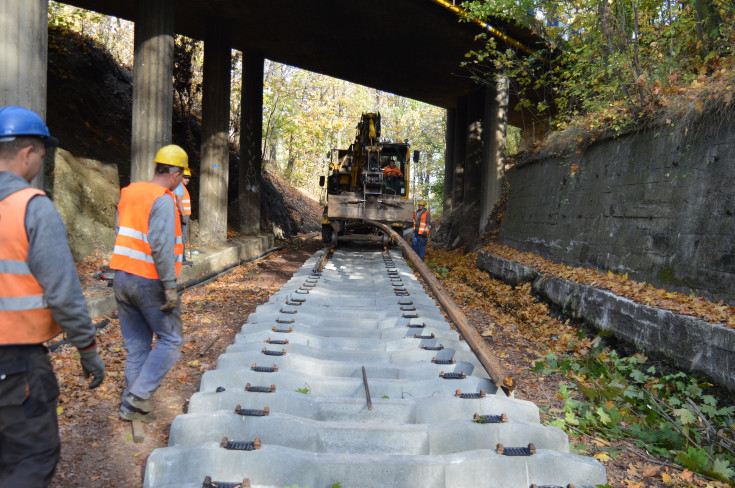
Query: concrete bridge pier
point(494, 144)
point(153, 68)
point(475, 159)
point(251, 129)
point(460, 153)
point(474, 155)
point(449, 159)
point(215, 161)
point(24, 25)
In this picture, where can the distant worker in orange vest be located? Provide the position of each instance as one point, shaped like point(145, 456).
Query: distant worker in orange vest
point(183, 208)
point(421, 226)
point(147, 257)
point(392, 175)
point(40, 296)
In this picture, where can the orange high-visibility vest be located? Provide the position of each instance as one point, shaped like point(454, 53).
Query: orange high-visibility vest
point(132, 252)
point(389, 172)
point(186, 202)
point(420, 226)
point(25, 317)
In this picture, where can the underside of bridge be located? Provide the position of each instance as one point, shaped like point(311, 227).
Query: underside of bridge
point(412, 48)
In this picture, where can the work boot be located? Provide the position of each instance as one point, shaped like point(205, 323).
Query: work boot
point(130, 413)
point(143, 405)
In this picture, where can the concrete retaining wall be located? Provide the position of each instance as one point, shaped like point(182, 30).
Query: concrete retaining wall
point(690, 343)
point(658, 205)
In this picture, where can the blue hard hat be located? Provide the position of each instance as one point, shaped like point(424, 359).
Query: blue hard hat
point(19, 121)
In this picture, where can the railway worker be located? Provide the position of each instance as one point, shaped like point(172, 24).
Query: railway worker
point(421, 226)
point(183, 208)
point(392, 176)
point(40, 296)
point(147, 257)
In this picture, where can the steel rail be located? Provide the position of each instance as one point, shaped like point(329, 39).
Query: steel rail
point(319, 266)
point(476, 342)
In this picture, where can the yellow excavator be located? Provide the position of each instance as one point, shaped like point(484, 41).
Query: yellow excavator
point(363, 184)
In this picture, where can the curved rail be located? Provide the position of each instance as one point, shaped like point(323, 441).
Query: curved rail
point(476, 342)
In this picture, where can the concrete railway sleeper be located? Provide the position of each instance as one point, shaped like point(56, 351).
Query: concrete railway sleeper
point(350, 374)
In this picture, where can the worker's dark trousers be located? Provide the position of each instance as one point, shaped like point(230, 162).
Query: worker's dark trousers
point(29, 434)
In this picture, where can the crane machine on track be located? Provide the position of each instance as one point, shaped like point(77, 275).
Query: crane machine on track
point(360, 189)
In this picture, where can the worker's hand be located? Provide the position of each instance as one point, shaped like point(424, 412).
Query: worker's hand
point(172, 299)
point(185, 219)
point(93, 366)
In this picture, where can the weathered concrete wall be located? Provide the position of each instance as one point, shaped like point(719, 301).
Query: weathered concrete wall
point(690, 343)
point(659, 205)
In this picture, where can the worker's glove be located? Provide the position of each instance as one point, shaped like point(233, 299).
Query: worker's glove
point(92, 365)
point(172, 299)
point(185, 219)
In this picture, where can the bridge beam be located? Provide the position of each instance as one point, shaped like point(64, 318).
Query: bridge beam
point(493, 167)
point(24, 26)
point(251, 128)
point(215, 162)
point(153, 68)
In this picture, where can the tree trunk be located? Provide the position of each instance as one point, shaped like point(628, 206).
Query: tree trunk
point(290, 164)
point(708, 19)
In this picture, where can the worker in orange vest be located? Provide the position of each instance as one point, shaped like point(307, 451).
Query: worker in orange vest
point(421, 226)
point(392, 175)
point(40, 296)
point(183, 208)
point(147, 257)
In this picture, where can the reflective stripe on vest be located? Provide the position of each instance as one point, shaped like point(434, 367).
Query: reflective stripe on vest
point(420, 226)
point(186, 202)
point(132, 252)
point(25, 317)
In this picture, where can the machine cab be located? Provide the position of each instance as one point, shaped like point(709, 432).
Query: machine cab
point(395, 178)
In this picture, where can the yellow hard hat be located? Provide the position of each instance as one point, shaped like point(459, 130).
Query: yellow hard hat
point(422, 202)
point(187, 172)
point(172, 155)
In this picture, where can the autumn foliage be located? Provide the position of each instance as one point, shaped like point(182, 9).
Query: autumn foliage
point(620, 284)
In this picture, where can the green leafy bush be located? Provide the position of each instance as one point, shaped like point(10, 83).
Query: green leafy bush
point(668, 415)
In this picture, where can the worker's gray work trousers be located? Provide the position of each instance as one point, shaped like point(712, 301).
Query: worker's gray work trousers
point(139, 302)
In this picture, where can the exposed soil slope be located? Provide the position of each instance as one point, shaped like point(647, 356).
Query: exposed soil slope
point(90, 111)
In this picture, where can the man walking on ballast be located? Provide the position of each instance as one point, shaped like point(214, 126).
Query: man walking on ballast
point(147, 257)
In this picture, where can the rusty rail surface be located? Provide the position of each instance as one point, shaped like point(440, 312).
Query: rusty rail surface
point(323, 260)
point(473, 338)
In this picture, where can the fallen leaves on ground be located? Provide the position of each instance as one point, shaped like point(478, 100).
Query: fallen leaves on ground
point(621, 285)
point(96, 445)
point(520, 330)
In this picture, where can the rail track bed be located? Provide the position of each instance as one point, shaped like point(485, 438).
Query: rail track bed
point(352, 375)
